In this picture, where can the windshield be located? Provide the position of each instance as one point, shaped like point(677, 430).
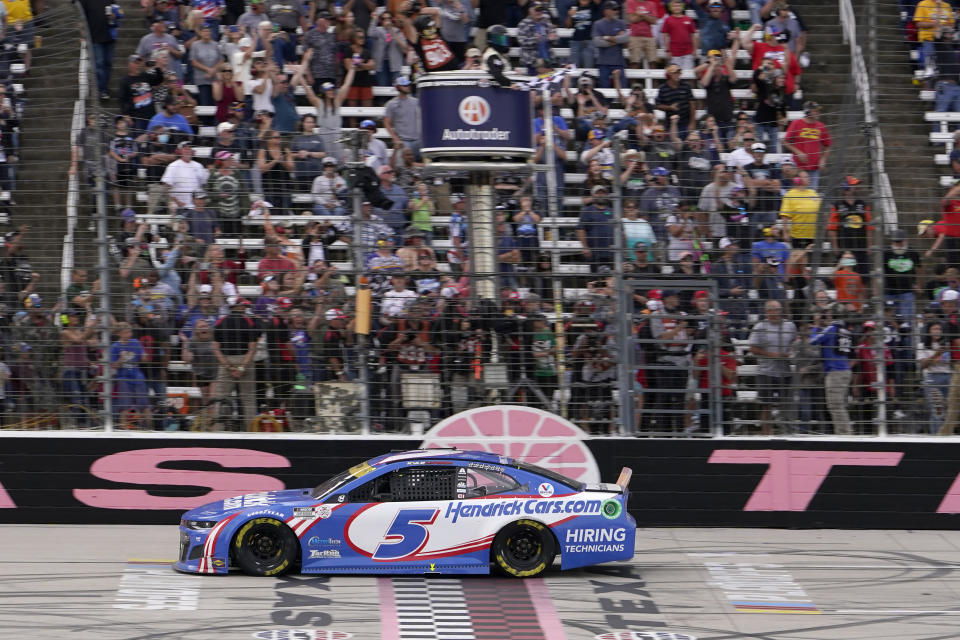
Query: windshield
point(559, 478)
point(333, 483)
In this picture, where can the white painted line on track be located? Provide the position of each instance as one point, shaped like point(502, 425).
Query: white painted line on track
point(950, 612)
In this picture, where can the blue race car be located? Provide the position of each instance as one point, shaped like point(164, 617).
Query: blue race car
point(425, 511)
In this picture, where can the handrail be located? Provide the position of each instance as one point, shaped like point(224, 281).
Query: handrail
point(885, 204)
point(73, 180)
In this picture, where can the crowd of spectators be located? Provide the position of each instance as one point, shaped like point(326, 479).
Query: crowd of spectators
point(236, 248)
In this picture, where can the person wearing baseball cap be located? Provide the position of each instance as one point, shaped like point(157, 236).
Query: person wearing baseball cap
point(714, 27)
point(849, 227)
point(598, 148)
point(202, 220)
point(610, 34)
point(675, 96)
point(183, 177)
point(809, 141)
point(375, 151)
point(401, 117)
point(336, 341)
point(902, 274)
point(473, 59)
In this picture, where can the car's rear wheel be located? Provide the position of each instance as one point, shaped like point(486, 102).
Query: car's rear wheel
point(524, 549)
point(265, 547)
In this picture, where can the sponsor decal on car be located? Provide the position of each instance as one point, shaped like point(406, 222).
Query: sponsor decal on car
point(594, 540)
point(545, 489)
point(611, 509)
point(260, 499)
point(317, 554)
point(317, 541)
point(268, 512)
point(361, 469)
point(483, 466)
point(304, 512)
point(457, 510)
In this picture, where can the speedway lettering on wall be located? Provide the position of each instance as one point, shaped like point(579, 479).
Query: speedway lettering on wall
point(103, 479)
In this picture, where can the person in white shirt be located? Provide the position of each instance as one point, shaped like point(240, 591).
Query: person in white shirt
point(376, 150)
point(396, 300)
point(325, 188)
point(260, 85)
point(183, 177)
point(242, 60)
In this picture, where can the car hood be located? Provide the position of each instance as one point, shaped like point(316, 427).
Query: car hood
point(222, 508)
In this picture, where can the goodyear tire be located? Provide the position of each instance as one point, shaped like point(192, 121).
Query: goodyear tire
point(265, 547)
point(523, 549)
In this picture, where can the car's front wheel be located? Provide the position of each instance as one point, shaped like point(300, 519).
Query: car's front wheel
point(524, 549)
point(265, 547)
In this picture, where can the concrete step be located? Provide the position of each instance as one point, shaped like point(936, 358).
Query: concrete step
point(51, 89)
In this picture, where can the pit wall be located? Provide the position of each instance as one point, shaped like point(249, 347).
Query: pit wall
point(149, 479)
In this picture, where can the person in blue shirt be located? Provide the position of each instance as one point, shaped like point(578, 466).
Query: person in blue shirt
point(770, 248)
point(714, 26)
point(170, 118)
point(610, 34)
point(733, 274)
point(836, 349)
point(595, 229)
point(125, 356)
point(561, 134)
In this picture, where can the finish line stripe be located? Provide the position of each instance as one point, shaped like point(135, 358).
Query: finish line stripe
point(389, 625)
point(440, 608)
point(546, 612)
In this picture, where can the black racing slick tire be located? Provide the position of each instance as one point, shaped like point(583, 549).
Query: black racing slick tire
point(524, 549)
point(265, 547)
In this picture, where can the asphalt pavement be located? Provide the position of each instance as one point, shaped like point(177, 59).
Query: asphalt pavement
point(115, 582)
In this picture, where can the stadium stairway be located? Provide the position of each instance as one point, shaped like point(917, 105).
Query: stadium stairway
point(50, 89)
point(827, 81)
point(909, 155)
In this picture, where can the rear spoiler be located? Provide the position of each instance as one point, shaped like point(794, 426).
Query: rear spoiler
point(621, 485)
point(624, 480)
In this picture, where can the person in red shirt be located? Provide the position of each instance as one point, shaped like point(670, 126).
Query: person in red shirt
point(641, 16)
point(950, 205)
point(680, 36)
point(217, 268)
point(272, 262)
point(866, 384)
point(728, 379)
point(773, 51)
point(947, 231)
point(809, 141)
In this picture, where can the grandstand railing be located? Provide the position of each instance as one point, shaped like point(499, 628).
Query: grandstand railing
point(744, 394)
point(861, 78)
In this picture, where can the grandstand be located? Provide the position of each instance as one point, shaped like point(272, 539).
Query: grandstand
point(436, 346)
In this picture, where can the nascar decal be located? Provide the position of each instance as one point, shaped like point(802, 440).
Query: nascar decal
point(305, 517)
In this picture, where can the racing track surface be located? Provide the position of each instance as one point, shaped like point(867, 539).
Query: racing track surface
point(108, 582)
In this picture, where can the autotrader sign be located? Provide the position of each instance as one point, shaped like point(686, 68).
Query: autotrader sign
point(467, 115)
